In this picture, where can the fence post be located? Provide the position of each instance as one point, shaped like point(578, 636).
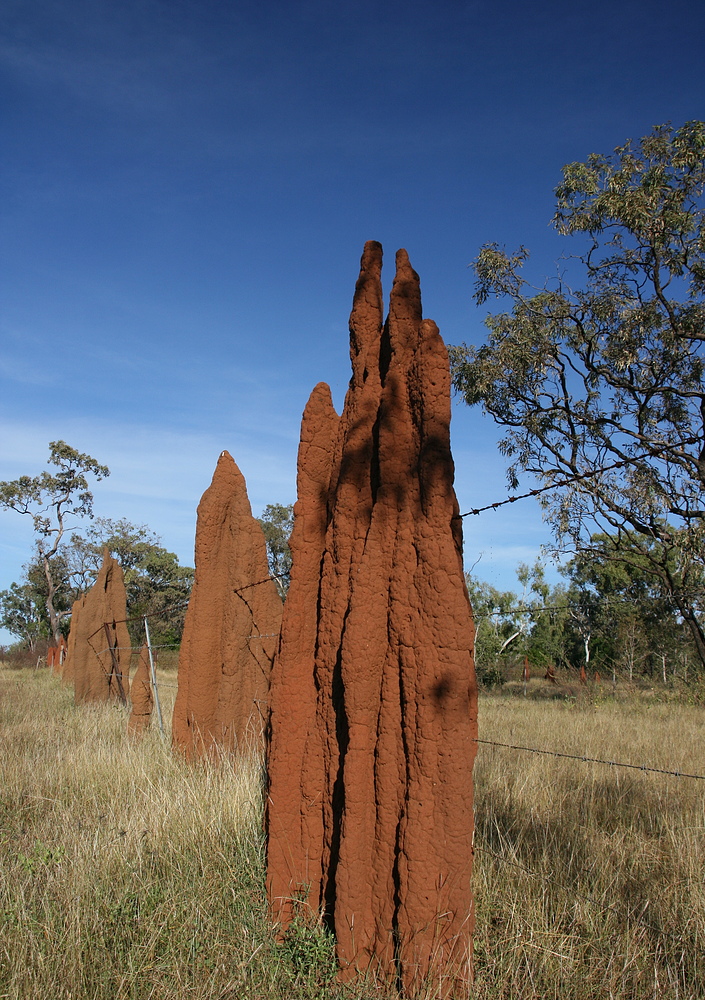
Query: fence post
point(153, 676)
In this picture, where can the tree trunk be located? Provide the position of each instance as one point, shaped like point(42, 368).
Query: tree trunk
point(51, 611)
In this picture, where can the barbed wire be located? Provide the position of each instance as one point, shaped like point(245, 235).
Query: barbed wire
point(577, 477)
point(139, 618)
point(137, 649)
point(591, 760)
point(257, 583)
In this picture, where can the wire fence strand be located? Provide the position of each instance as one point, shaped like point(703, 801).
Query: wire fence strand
point(139, 618)
point(578, 477)
point(592, 760)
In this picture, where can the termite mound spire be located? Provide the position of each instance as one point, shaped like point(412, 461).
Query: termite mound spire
point(373, 695)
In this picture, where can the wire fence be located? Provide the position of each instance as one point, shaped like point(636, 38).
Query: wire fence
point(528, 609)
point(587, 605)
point(591, 760)
point(580, 477)
point(635, 914)
point(140, 618)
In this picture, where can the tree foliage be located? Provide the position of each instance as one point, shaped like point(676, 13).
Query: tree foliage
point(498, 625)
point(277, 523)
point(55, 501)
point(510, 626)
point(155, 583)
point(632, 617)
point(609, 616)
point(610, 371)
point(23, 613)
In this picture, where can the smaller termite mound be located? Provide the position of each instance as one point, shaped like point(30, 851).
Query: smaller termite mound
point(232, 626)
point(99, 643)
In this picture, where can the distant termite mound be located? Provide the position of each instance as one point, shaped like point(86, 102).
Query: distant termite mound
point(67, 668)
point(61, 657)
point(56, 656)
point(99, 643)
point(141, 696)
point(232, 625)
point(373, 696)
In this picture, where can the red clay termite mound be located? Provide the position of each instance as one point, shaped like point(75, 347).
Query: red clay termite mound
point(141, 696)
point(56, 656)
point(373, 695)
point(67, 669)
point(232, 625)
point(99, 643)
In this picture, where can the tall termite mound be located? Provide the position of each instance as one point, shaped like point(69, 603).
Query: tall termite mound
point(373, 696)
point(141, 696)
point(232, 625)
point(99, 643)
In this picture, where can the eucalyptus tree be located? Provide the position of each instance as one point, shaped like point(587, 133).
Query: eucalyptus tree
point(633, 614)
point(56, 502)
point(23, 614)
point(599, 386)
point(277, 523)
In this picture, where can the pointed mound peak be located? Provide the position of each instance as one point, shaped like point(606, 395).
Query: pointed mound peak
point(228, 479)
point(405, 299)
point(320, 401)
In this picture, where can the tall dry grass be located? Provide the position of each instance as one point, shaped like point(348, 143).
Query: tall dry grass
point(127, 873)
point(589, 878)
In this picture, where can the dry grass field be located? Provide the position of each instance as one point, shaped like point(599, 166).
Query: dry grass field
point(125, 873)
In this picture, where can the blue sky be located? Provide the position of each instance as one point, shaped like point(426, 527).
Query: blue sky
point(186, 188)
